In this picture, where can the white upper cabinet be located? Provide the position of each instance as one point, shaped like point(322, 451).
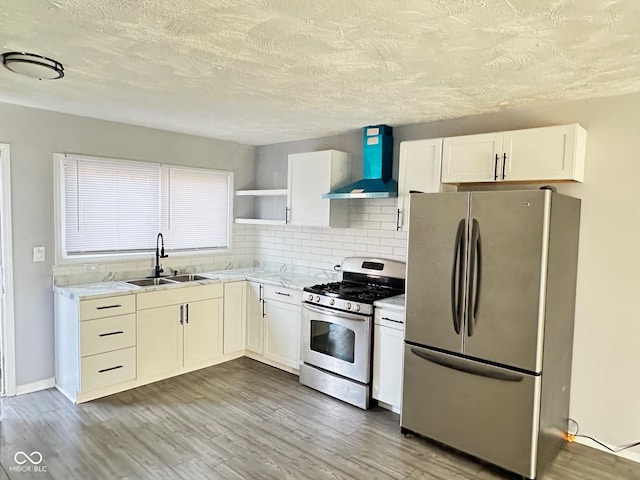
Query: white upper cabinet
point(472, 158)
point(310, 175)
point(531, 155)
point(419, 170)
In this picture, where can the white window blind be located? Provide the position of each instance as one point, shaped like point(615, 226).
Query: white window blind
point(110, 206)
point(195, 208)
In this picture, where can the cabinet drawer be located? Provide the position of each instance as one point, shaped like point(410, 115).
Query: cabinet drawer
point(107, 307)
point(177, 295)
point(281, 294)
point(99, 371)
point(389, 318)
point(107, 334)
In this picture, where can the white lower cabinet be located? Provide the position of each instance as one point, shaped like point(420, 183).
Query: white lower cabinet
point(282, 333)
point(235, 316)
point(159, 341)
point(273, 325)
point(110, 344)
point(388, 348)
point(176, 336)
point(254, 318)
point(95, 345)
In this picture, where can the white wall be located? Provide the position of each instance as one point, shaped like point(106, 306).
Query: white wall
point(34, 135)
point(606, 350)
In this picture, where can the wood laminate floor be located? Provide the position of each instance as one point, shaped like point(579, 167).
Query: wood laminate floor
point(241, 420)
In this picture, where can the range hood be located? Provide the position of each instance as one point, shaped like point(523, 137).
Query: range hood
point(377, 160)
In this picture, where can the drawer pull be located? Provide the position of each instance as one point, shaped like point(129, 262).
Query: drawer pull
point(110, 333)
point(392, 320)
point(284, 294)
point(108, 306)
point(109, 369)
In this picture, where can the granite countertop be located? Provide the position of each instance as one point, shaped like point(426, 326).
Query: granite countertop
point(295, 280)
point(392, 303)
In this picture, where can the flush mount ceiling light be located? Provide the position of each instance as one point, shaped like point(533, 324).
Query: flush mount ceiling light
point(32, 65)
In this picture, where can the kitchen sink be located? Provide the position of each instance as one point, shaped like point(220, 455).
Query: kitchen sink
point(148, 282)
point(188, 277)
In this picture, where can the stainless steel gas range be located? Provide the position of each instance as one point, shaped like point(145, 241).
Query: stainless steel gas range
point(337, 328)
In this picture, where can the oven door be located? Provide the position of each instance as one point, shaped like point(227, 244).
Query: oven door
point(336, 341)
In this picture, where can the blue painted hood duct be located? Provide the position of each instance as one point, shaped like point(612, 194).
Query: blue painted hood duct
point(377, 166)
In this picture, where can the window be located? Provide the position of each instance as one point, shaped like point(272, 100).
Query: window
point(117, 207)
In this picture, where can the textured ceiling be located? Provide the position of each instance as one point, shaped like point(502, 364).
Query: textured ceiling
point(261, 72)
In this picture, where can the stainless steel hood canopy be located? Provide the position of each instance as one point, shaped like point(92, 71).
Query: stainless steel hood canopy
point(377, 159)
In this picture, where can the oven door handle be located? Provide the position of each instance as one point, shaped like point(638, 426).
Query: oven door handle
point(335, 313)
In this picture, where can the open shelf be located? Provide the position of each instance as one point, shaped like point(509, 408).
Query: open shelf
point(260, 221)
point(280, 192)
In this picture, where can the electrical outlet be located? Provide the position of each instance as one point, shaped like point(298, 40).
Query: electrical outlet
point(90, 267)
point(38, 254)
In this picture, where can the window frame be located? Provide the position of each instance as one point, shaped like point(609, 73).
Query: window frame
point(61, 256)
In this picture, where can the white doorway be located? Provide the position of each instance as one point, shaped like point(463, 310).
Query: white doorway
point(7, 330)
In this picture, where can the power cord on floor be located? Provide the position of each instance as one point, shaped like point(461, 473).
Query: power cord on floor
point(571, 437)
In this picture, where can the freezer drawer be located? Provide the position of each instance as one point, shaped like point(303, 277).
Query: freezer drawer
point(486, 411)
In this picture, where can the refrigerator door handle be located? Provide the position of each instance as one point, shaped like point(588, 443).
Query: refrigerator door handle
point(456, 276)
point(465, 366)
point(475, 275)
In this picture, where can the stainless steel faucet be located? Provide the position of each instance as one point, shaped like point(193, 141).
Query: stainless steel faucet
point(159, 254)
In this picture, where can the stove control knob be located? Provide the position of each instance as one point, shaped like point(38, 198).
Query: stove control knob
point(356, 307)
point(332, 302)
point(317, 298)
point(310, 298)
point(348, 306)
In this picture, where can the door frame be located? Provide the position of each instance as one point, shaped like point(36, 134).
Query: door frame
point(7, 322)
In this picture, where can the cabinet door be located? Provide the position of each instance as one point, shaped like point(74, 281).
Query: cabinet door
point(471, 158)
point(159, 341)
point(282, 333)
point(310, 175)
point(388, 348)
point(420, 163)
point(254, 318)
point(235, 310)
point(541, 154)
point(203, 331)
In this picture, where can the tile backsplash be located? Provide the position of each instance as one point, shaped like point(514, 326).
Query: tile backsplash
point(372, 232)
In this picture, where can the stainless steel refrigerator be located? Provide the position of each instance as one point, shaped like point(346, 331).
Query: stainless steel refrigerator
point(490, 299)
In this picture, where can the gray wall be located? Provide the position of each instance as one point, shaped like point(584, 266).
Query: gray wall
point(34, 135)
point(606, 351)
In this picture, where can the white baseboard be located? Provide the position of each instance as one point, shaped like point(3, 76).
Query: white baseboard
point(36, 386)
point(628, 454)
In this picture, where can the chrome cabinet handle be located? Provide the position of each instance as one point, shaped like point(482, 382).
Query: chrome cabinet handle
point(398, 226)
point(495, 168)
point(187, 308)
point(181, 314)
point(284, 294)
